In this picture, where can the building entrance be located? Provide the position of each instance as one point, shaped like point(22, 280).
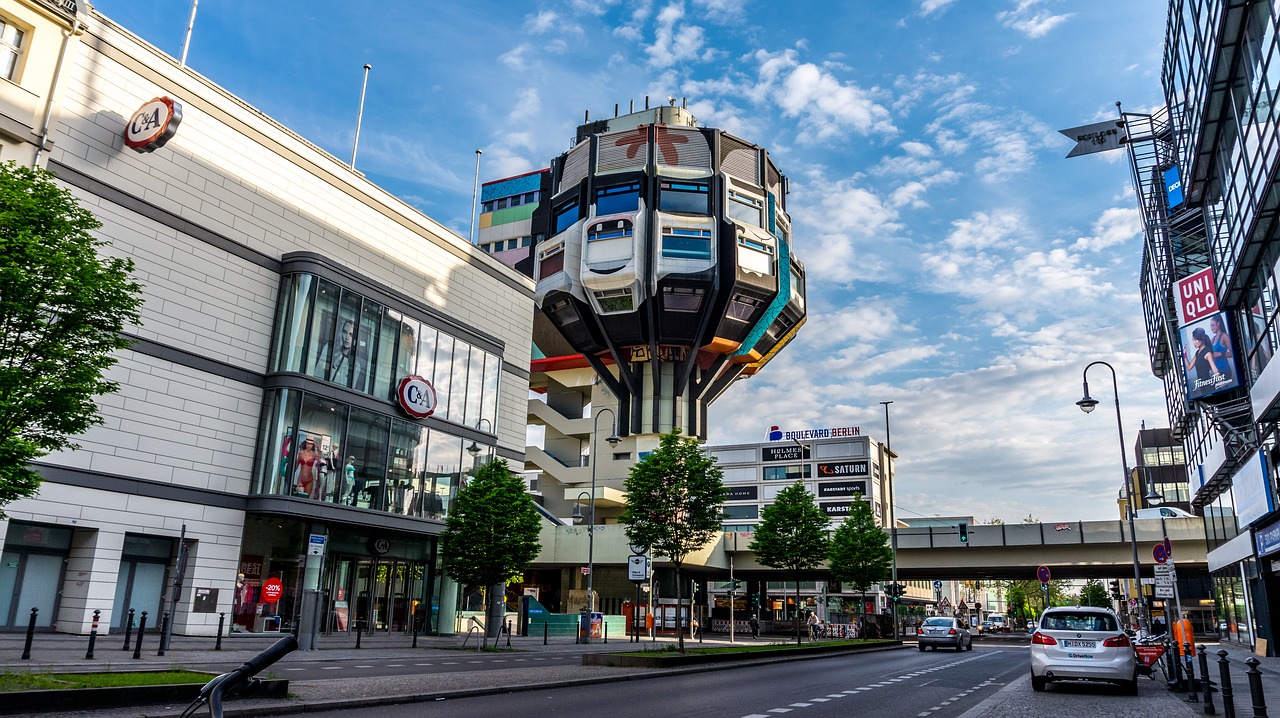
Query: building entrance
point(376, 594)
point(31, 571)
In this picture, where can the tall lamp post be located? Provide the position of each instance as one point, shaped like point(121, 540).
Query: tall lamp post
point(577, 513)
point(1088, 404)
point(893, 518)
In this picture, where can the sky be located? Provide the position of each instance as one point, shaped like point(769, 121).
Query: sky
point(957, 264)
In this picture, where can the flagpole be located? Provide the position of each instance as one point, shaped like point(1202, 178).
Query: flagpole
point(186, 41)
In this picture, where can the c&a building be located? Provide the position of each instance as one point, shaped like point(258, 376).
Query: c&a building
point(317, 368)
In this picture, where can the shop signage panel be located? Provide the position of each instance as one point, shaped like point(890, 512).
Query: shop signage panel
point(834, 489)
point(784, 453)
point(837, 510)
point(743, 493)
point(1250, 492)
point(1267, 538)
point(841, 469)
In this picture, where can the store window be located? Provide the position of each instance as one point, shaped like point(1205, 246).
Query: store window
point(791, 472)
point(318, 449)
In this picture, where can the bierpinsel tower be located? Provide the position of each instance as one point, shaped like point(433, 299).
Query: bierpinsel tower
point(662, 255)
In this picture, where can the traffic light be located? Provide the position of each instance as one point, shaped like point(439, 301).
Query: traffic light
point(1115, 590)
point(734, 584)
point(964, 532)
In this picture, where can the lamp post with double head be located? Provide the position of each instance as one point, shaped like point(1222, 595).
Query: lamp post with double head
point(591, 528)
point(1088, 404)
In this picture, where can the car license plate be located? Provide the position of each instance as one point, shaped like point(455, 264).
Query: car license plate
point(1079, 644)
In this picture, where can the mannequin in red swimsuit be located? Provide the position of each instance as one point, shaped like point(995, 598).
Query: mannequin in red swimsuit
point(304, 478)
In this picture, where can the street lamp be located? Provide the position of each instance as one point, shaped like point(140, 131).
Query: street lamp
point(474, 449)
point(1088, 404)
point(893, 519)
point(577, 516)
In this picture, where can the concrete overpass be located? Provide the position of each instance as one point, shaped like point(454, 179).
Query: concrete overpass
point(1072, 550)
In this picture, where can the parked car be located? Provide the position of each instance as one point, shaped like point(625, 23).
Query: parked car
point(939, 631)
point(1082, 643)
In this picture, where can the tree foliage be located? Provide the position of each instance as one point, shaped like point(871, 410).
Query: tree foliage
point(859, 552)
point(491, 533)
point(674, 498)
point(63, 308)
point(1095, 594)
point(792, 536)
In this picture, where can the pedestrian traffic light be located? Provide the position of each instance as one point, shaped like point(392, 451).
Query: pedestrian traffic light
point(734, 584)
point(964, 532)
point(1115, 590)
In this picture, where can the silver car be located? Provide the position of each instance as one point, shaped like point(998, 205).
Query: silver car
point(1082, 643)
point(940, 631)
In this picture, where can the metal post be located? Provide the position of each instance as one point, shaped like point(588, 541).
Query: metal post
point(128, 630)
point(893, 519)
point(93, 635)
point(142, 630)
point(359, 630)
point(1205, 683)
point(1190, 673)
point(475, 193)
point(222, 620)
point(1173, 655)
point(1255, 688)
point(1224, 679)
point(545, 631)
point(164, 626)
point(186, 40)
point(31, 634)
point(508, 633)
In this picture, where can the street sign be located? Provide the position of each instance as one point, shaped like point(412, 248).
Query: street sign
point(937, 585)
point(1168, 547)
point(637, 568)
point(586, 570)
point(315, 546)
point(1164, 591)
point(1043, 574)
point(1159, 553)
point(1098, 137)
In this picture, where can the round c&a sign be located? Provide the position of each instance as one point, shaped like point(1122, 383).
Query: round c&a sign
point(153, 124)
point(416, 396)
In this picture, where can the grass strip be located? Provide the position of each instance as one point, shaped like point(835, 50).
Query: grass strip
point(10, 682)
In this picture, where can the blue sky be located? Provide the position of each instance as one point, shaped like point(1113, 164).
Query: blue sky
point(958, 265)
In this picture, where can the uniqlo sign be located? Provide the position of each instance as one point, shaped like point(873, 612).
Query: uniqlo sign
point(1197, 296)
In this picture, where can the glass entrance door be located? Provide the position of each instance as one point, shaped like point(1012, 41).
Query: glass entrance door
point(28, 580)
point(376, 594)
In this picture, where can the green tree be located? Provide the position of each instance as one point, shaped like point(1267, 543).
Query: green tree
point(792, 536)
point(674, 498)
point(859, 554)
point(491, 535)
point(1095, 594)
point(63, 309)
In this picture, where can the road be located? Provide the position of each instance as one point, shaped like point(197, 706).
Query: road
point(439, 662)
point(934, 684)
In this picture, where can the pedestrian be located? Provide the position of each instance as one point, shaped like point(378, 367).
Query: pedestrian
point(697, 629)
point(755, 626)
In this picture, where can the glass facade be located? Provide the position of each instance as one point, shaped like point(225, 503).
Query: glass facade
point(335, 335)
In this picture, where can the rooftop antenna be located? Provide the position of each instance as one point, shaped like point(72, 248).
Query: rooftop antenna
point(475, 193)
point(355, 145)
point(186, 41)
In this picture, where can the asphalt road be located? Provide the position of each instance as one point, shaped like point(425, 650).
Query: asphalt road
point(936, 684)
point(438, 662)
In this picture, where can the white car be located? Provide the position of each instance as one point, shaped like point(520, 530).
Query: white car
point(1082, 643)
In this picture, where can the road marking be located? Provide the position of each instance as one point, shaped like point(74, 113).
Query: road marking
point(354, 667)
point(449, 663)
point(819, 700)
point(395, 665)
point(422, 664)
point(801, 705)
point(779, 710)
point(835, 695)
point(295, 669)
point(330, 668)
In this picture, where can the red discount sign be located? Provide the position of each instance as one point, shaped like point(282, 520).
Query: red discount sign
point(272, 590)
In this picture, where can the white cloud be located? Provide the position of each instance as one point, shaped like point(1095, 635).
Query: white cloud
point(826, 106)
point(1116, 226)
point(1031, 18)
point(675, 43)
point(929, 7)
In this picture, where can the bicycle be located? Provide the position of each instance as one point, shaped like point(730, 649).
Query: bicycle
point(240, 680)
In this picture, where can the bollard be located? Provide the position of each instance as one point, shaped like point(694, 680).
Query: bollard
point(93, 635)
point(1205, 682)
point(31, 633)
point(1189, 670)
point(1176, 659)
point(164, 626)
point(415, 638)
point(508, 633)
point(222, 620)
point(1255, 687)
point(1224, 678)
point(142, 629)
point(604, 630)
point(128, 631)
point(359, 631)
point(544, 632)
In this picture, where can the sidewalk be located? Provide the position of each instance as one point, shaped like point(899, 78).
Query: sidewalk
point(55, 652)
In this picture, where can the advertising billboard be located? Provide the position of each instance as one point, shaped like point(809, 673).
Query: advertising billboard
point(1207, 356)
